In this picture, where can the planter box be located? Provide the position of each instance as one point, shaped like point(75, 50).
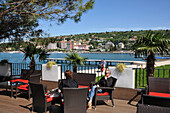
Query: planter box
point(51, 74)
point(5, 72)
point(125, 79)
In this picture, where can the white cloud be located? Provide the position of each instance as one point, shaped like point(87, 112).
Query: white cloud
point(136, 29)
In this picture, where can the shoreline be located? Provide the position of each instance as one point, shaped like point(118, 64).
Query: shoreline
point(118, 52)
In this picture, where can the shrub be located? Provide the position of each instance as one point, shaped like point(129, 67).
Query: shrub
point(121, 67)
point(50, 64)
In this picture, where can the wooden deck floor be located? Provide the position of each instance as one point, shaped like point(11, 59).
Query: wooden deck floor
point(22, 105)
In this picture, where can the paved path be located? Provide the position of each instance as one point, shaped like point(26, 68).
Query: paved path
point(163, 62)
point(139, 64)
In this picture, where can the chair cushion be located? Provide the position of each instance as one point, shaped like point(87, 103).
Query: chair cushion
point(80, 86)
point(49, 99)
point(159, 94)
point(23, 87)
point(102, 94)
point(19, 80)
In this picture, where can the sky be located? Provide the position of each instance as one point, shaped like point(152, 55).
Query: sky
point(116, 15)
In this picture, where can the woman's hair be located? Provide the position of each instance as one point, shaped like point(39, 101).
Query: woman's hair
point(108, 71)
point(68, 74)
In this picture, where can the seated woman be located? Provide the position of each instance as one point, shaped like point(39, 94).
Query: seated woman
point(69, 82)
point(105, 81)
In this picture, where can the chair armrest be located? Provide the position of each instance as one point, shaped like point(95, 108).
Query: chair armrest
point(108, 88)
point(147, 89)
point(34, 75)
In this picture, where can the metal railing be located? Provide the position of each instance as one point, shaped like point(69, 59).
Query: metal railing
point(141, 78)
point(16, 67)
point(140, 73)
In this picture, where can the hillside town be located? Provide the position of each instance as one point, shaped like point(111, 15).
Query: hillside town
point(102, 45)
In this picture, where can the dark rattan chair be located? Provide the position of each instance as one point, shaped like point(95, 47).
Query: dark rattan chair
point(32, 76)
point(142, 108)
point(75, 100)
point(158, 92)
point(157, 98)
point(160, 85)
point(84, 79)
point(108, 95)
point(40, 102)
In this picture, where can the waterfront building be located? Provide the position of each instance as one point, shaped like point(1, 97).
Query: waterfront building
point(39, 46)
point(63, 44)
point(52, 46)
point(81, 47)
point(9, 48)
point(121, 45)
point(69, 46)
point(108, 44)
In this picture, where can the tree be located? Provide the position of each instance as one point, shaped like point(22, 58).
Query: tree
point(19, 17)
point(31, 51)
point(149, 45)
point(75, 59)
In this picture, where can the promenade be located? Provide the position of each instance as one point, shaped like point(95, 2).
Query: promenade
point(143, 64)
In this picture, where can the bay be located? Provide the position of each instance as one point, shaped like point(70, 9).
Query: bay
point(19, 57)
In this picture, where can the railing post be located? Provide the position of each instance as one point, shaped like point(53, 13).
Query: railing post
point(136, 79)
point(61, 71)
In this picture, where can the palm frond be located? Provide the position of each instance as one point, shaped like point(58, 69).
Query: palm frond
point(75, 58)
point(155, 43)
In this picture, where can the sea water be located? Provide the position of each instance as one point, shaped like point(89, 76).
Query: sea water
point(20, 57)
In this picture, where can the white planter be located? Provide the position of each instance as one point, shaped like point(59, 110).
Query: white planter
point(125, 79)
point(5, 70)
point(51, 74)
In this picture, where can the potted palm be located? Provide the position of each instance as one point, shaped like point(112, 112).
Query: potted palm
point(148, 46)
point(31, 51)
point(75, 59)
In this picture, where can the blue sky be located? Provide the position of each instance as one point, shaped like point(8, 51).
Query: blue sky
point(116, 15)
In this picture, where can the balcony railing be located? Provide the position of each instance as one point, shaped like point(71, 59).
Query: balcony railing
point(16, 67)
point(141, 78)
point(140, 73)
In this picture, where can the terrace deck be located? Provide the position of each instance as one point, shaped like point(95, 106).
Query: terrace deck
point(22, 105)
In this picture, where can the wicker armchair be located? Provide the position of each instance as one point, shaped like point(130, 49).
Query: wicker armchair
point(160, 85)
point(22, 84)
point(142, 108)
point(84, 79)
point(75, 100)
point(158, 92)
point(40, 103)
point(108, 95)
point(157, 98)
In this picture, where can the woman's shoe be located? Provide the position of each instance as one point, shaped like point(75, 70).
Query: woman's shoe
point(89, 105)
